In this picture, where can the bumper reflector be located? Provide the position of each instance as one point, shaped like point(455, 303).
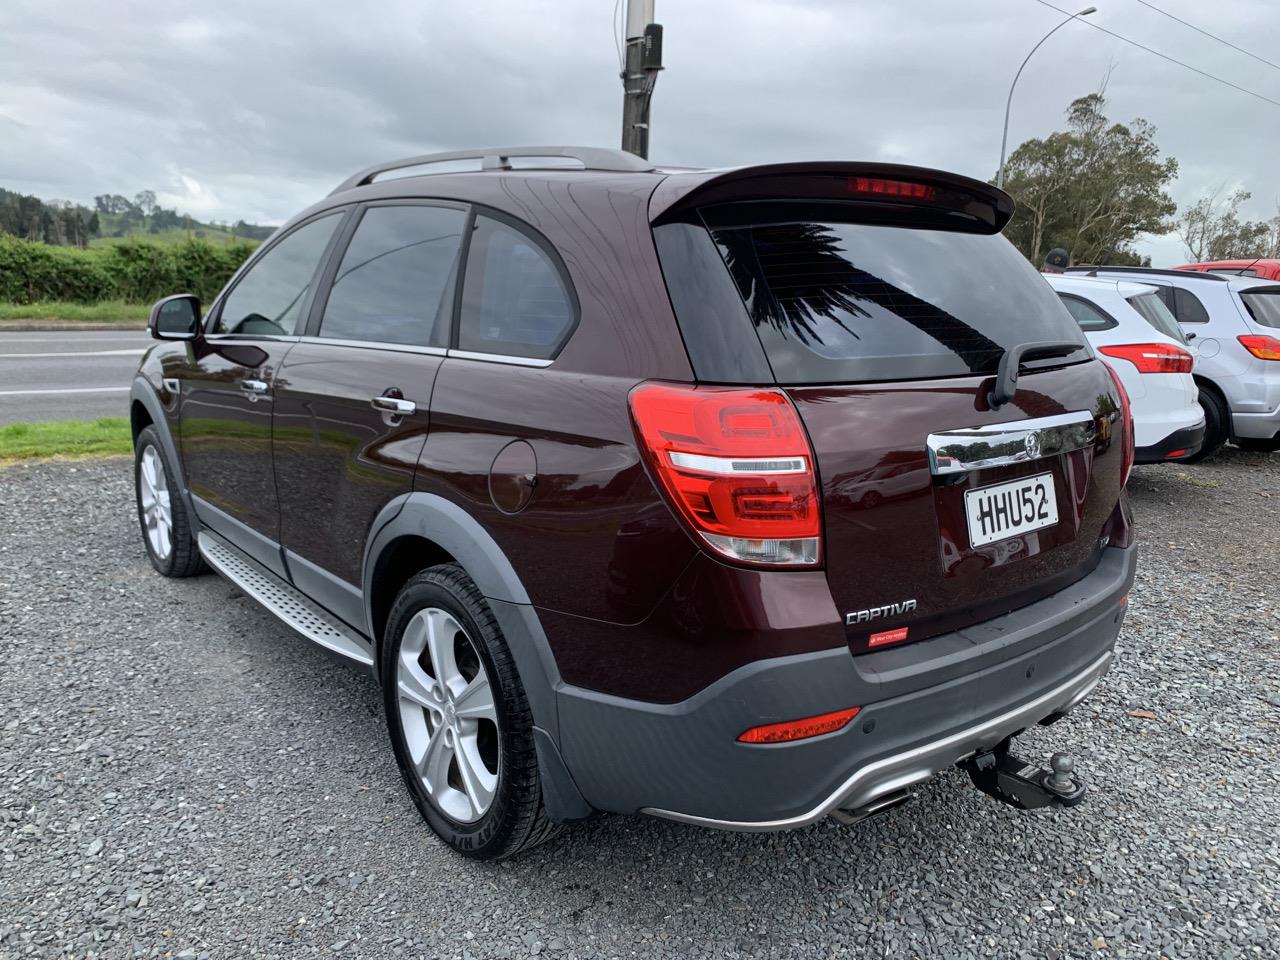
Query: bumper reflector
point(799, 729)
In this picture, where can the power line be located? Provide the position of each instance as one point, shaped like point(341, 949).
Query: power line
point(1165, 56)
point(1211, 36)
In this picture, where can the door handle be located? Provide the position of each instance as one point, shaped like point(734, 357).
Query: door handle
point(400, 407)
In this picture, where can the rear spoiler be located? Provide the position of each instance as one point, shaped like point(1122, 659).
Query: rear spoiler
point(680, 193)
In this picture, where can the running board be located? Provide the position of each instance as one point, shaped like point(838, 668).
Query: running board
point(284, 601)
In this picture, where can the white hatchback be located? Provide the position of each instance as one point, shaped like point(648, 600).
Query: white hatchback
point(1133, 331)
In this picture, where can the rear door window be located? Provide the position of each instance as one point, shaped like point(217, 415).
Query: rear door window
point(1263, 306)
point(1152, 309)
point(1188, 308)
point(837, 302)
point(394, 284)
point(1086, 315)
point(516, 301)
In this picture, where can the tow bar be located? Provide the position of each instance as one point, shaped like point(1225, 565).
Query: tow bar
point(1027, 786)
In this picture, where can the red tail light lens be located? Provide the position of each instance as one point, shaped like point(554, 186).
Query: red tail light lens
point(799, 729)
point(737, 466)
point(1264, 348)
point(905, 189)
point(1152, 357)
point(1126, 428)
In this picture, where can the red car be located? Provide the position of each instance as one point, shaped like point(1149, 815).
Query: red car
point(1267, 269)
point(738, 497)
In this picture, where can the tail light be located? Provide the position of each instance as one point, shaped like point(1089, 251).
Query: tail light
point(1126, 427)
point(1152, 357)
point(737, 466)
point(1264, 348)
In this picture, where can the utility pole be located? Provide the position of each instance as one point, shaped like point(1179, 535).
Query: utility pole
point(639, 75)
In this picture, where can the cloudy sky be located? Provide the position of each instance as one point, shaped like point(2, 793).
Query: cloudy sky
point(255, 108)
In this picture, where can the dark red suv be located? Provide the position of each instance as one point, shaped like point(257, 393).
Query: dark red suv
point(740, 497)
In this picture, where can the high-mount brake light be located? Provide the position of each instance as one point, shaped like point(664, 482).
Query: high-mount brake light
point(737, 466)
point(799, 729)
point(1262, 347)
point(1126, 427)
point(1152, 357)
point(905, 189)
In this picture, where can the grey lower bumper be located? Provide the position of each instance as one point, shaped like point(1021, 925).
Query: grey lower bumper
point(924, 706)
point(900, 771)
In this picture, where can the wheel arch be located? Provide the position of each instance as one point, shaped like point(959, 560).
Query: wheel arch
point(419, 530)
point(146, 410)
point(1211, 386)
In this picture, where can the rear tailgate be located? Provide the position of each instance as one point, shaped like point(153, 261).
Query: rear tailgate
point(900, 548)
point(883, 304)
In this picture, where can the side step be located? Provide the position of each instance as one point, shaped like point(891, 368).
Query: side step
point(284, 601)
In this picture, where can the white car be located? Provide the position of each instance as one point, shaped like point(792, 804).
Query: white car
point(1133, 331)
point(1231, 323)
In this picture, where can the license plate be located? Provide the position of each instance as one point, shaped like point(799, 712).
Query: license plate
point(1005, 510)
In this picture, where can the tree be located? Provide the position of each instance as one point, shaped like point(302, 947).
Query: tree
point(1213, 230)
point(145, 202)
point(1092, 188)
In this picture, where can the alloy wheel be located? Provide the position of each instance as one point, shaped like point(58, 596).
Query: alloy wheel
point(447, 714)
point(157, 512)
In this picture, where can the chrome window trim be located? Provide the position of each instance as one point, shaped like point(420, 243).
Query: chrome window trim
point(250, 337)
point(1004, 444)
point(427, 351)
point(377, 345)
point(500, 358)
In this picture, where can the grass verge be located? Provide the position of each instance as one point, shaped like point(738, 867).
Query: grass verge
point(109, 311)
point(65, 438)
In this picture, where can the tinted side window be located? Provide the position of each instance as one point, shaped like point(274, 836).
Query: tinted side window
point(394, 284)
point(1086, 314)
point(514, 301)
point(1152, 309)
point(1188, 308)
point(1263, 306)
point(271, 296)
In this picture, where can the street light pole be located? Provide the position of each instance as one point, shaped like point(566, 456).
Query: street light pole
point(639, 74)
point(1004, 139)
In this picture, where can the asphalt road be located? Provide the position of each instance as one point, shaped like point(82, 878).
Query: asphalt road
point(182, 777)
point(67, 375)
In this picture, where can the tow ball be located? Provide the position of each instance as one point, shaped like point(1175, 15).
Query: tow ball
point(1027, 786)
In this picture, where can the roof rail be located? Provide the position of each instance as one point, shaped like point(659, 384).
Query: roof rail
point(499, 158)
point(1092, 271)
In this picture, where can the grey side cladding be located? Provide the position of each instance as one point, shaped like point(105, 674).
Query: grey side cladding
point(144, 393)
point(461, 536)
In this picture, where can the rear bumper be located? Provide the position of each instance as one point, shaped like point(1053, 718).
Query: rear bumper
point(924, 706)
point(1256, 426)
point(1188, 440)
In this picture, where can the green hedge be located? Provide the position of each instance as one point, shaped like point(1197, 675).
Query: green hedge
point(135, 270)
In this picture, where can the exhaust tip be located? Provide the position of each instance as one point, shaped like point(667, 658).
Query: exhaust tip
point(876, 807)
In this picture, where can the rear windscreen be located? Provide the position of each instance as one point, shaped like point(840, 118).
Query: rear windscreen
point(1264, 306)
point(836, 302)
point(1153, 310)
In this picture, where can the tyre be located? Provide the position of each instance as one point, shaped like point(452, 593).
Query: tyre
point(1261, 446)
point(167, 530)
point(1217, 425)
point(459, 721)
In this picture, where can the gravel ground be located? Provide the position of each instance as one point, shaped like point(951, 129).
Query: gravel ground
point(182, 777)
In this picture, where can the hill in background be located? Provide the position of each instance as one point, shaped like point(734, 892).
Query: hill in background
point(112, 218)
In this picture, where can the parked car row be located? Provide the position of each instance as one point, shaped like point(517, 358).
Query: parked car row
point(1231, 324)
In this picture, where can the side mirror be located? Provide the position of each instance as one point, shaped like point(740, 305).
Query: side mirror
point(175, 318)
